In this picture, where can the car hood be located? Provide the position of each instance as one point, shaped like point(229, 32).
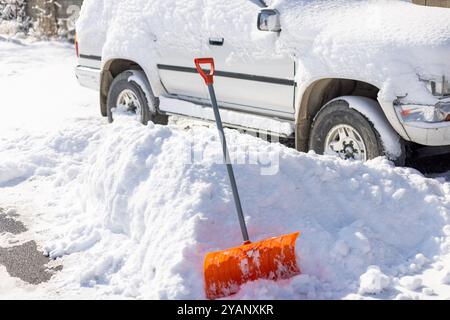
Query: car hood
point(387, 43)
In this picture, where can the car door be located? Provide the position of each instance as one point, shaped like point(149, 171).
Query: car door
point(251, 76)
point(178, 44)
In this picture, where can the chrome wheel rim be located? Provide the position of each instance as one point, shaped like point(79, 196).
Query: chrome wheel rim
point(128, 102)
point(345, 142)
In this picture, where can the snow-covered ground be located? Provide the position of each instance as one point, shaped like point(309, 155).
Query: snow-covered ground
point(130, 211)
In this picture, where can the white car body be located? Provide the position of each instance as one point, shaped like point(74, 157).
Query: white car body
point(273, 75)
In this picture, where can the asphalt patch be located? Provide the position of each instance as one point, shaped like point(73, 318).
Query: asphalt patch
point(9, 224)
point(27, 263)
point(24, 261)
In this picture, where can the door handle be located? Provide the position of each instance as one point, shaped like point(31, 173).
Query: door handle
point(216, 41)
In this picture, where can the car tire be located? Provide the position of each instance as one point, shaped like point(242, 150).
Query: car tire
point(343, 131)
point(122, 88)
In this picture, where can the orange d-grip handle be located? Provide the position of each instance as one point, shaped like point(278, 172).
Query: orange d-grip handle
point(209, 78)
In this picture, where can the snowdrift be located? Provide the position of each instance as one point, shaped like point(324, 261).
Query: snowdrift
point(136, 208)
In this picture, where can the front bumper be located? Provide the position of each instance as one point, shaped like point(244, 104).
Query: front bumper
point(88, 77)
point(427, 133)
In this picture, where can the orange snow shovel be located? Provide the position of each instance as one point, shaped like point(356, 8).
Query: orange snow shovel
point(225, 271)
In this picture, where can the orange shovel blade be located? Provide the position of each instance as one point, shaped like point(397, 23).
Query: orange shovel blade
point(273, 259)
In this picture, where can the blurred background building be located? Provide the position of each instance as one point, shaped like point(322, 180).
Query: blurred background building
point(50, 18)
point(437, 3)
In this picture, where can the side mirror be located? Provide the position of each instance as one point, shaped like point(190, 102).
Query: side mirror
point(269, 20)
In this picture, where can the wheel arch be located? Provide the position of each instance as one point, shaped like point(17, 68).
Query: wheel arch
point(319, 93)
point(111, 69)
point(372, 111)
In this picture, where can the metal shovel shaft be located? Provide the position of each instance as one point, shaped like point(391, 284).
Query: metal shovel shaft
point(226, 157)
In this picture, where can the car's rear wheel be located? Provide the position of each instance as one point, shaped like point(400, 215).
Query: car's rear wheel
point(126, 96)
point(346, 133)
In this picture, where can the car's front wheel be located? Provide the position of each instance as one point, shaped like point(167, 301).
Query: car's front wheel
point(341, 131)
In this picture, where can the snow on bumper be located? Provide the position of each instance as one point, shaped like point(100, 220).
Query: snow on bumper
point(88, 77)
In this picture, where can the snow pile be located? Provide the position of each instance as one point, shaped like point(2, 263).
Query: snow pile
point(373, 281)
point(388, 43)
point(138, 207)
point(11, 170)
point(411, 283)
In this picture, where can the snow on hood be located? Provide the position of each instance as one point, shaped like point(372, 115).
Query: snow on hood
point(388, 43)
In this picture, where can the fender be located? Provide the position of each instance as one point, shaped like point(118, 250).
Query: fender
point(141, 79)
point(150, 70)
point(373, 112)
point(311, 96)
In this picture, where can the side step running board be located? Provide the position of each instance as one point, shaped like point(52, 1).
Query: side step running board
point(230, 118)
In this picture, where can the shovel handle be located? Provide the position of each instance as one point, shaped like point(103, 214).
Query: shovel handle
point(209, 78)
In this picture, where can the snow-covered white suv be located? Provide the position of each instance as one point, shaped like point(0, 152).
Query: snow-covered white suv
point(354, 78)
